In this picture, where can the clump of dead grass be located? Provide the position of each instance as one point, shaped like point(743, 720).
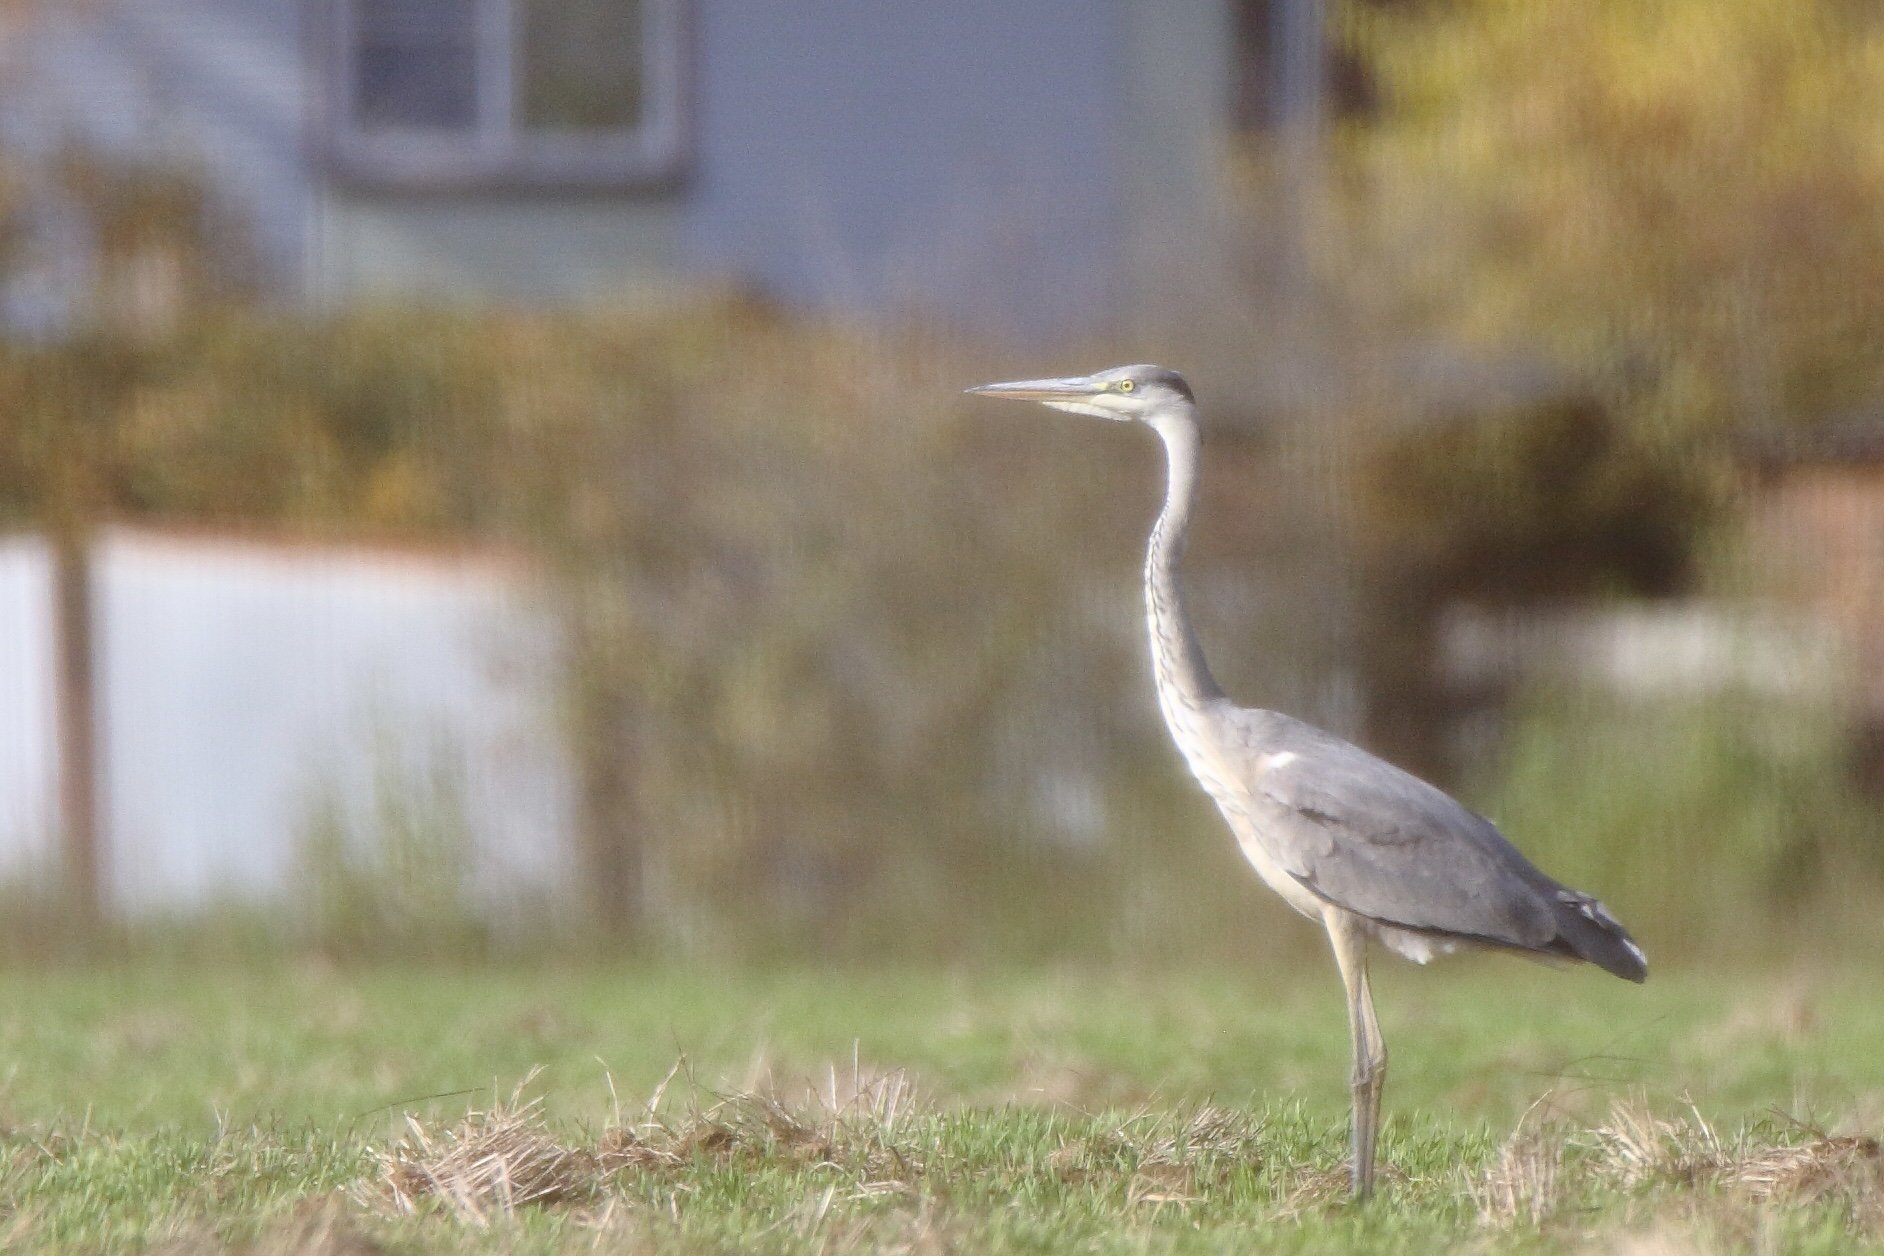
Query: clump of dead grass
point(1183, 1158)
point(1180, 1158)
point(1824, 1166)
point(491, 1163)
point(1795, 1162)
point(1163, 1158)
point(1637, 1149)
point(1314, 1189)
point(1522, 1186)
point(495, 1161)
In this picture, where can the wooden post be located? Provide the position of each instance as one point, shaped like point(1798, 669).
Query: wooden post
point(69, 424)
point(75, 668)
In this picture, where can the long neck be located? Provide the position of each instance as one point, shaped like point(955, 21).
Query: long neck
point(1177, 659)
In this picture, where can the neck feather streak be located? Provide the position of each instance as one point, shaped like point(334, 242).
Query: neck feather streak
point(1177, 658)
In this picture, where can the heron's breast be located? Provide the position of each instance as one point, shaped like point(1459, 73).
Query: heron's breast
point(1274, 875)
point(1192, 734)
point(1207, 762)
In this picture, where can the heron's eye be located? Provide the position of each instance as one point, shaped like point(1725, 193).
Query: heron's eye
point(1126, 385)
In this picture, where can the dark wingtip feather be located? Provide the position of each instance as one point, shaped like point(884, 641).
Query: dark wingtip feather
point(1587, 930)
point(1626, 962)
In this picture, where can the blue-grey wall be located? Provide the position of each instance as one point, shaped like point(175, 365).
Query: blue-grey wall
point(215, 82)
point(997, 162)
point(1172, 124)
point(958, 156)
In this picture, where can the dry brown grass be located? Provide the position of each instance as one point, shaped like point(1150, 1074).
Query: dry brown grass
point(1522, 1186)
point(1164, 1158)
point(1180, 1158)
point(1825, 1166)
point(495, 1161)
point(1319, 1189)
point(1637, 1148)
point(1684, 1160)
point(491, 1163)
point(1689, 1186)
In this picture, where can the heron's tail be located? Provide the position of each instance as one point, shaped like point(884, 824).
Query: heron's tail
point(1586, 930)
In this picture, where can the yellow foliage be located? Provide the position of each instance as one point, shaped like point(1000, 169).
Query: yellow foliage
point(1684, 192)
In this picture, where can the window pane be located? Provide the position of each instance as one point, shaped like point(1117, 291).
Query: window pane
point(580, 65)
point(1253, 66)
point(415, 64)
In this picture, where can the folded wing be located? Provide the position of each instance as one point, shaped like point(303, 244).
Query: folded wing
point(1377, 841)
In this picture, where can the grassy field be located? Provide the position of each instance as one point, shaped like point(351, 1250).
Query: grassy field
point(305, 1108)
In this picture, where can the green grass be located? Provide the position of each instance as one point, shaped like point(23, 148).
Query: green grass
point(183, 1108)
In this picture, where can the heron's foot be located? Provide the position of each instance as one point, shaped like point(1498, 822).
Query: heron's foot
point(1361, 1177)
point(1366, 1127)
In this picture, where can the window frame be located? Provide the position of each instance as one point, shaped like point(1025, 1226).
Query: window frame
point(1342, 87)
point(495, 152)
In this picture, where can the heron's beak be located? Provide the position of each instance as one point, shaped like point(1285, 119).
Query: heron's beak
point(1084, 395)
point(1048, 390)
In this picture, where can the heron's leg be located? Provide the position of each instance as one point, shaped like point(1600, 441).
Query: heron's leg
point(1370, 1050)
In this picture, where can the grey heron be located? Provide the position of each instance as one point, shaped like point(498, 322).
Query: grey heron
point(1372, 852)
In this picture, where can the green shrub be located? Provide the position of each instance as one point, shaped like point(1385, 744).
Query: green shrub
point(395, 876)
point(1727, 824)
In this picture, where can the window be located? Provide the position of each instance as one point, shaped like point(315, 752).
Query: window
point(1253, 105)
point(1288, 63)
point(524, 92)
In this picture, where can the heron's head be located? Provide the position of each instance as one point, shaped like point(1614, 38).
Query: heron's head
point(1124, 392)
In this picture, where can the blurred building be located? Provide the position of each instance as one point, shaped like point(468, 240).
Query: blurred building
point(1009, 161)
point(1015, 164)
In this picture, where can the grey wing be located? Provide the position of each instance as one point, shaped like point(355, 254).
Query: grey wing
point(1378, 841)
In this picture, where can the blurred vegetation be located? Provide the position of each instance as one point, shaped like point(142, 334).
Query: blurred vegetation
point(1569, 253)
point(1677, 202)
point(854, 670)
point(836, 682)
point(1721, 818)
point(788, 698)
point(1536, 503)
point(390, 870)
